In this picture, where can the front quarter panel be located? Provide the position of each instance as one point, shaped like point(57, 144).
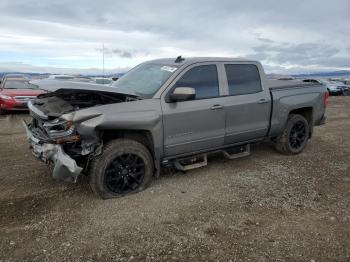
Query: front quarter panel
point(134, 115)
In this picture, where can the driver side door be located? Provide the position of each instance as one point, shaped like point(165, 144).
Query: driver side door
point(198, 124)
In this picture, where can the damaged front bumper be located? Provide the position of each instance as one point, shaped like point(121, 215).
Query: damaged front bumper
point(65, 167)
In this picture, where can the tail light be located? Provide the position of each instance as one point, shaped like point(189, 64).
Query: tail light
point(326, 99)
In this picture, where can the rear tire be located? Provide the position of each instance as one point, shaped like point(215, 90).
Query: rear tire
point(125, 166)
point(294, 137)
point(2, 111)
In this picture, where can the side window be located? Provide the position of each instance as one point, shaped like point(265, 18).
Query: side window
point(243, 79)
point(204, 79)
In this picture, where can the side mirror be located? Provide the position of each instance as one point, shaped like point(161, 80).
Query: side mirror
point(182, 94)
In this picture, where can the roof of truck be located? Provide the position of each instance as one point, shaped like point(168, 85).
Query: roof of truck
point(191, 60)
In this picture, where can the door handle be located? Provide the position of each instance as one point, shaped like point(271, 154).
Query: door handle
point(263, 101)
point(215, 107)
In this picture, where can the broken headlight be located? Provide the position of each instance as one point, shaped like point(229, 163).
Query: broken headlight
point(62, 129)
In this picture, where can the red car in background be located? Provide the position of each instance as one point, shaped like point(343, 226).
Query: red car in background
point(15, 92)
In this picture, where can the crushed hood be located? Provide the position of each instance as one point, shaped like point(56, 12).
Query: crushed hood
point(65, 97)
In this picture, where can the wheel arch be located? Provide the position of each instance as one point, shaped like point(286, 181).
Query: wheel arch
point(307, 113)
point(144, 137)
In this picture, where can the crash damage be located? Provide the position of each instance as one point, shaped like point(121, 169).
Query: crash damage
point(65, 168)
point(53, 132)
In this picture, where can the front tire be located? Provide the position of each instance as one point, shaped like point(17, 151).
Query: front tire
point(125, 166)
point(294, 137)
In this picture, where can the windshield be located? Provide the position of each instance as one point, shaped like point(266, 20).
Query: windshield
point(145, 79)
point(10, 84)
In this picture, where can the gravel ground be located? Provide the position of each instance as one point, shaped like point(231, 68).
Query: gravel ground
point(265, 207)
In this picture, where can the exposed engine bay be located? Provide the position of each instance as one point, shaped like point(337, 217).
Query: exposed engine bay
point(64, 101)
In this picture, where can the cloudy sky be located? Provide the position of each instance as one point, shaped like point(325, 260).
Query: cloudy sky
point(67, 36)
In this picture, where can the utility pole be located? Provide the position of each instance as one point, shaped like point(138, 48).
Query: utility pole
point(103, 60)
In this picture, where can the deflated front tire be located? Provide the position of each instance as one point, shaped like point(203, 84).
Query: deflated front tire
point(125, 166)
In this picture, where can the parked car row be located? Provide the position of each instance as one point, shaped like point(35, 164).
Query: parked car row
point(334, 87)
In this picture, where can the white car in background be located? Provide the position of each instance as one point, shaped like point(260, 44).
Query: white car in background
point(71, 78)
point(335, 88)
point(86, 79)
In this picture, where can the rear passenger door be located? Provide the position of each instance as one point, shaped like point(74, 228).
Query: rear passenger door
point(199, 124)
point(247, 105)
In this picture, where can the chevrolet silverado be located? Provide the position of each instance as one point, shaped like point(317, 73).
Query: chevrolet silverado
point(168, 112)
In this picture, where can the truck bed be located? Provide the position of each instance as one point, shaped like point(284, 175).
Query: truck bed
point(289, 95)
point(282, 84)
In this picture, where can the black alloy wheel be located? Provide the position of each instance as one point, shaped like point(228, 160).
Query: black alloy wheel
point(125, 166)
point(297, 135)
point(125, 174)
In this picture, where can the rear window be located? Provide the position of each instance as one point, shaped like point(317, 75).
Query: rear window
point(243, 79)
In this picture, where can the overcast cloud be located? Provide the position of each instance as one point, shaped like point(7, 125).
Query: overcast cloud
point(67, 36)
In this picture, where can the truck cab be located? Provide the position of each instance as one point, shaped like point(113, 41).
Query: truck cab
point(226, 92)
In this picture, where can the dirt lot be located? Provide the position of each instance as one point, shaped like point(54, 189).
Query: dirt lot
point(265, 207)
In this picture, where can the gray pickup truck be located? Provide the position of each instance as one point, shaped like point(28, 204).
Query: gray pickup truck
point(168, 112)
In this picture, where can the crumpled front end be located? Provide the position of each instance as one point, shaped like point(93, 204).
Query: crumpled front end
point(65, 167)
point(55, 140)
point(62, 134)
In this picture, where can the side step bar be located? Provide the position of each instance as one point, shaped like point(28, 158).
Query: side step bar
point(238, 152)
point(188, 163)
point(191, 163)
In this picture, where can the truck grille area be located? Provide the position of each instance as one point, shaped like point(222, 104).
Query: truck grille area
point(38, 130)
